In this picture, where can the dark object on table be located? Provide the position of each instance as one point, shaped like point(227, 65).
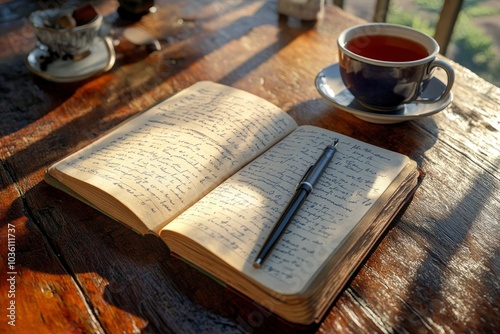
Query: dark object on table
point(133, 10)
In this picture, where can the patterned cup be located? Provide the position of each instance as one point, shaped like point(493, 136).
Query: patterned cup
point(58, 32)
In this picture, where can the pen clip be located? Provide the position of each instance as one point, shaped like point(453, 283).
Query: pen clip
point(304, 177)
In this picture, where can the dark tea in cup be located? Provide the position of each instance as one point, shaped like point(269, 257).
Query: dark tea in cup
point(387, 48)
point(385, 65)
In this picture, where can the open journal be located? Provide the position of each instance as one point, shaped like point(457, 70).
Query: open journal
point(210, 170)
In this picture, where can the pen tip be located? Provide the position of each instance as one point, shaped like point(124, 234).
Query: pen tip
point(258, 263)
point(335, 142)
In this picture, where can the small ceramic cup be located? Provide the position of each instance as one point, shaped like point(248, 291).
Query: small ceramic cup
point(57, 30)
point(385, 65)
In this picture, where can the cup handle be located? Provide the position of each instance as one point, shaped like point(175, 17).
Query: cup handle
point(451, 79)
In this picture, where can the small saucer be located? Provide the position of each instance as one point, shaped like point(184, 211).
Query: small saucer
point(101, 59)
point(330, 85)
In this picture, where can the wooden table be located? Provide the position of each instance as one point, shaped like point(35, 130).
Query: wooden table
point(71, 269)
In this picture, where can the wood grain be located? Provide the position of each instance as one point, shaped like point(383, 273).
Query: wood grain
point(436, 270)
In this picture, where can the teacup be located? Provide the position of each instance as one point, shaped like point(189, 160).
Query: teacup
point(386, 65)
point(66, 31)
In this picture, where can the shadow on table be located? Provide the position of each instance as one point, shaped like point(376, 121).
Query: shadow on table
point(443, 240)
point(447, 236)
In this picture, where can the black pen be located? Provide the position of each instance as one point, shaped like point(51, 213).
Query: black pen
point(304, 188)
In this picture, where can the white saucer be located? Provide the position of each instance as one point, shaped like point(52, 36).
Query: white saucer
point(101, 59)
point(329, 84)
